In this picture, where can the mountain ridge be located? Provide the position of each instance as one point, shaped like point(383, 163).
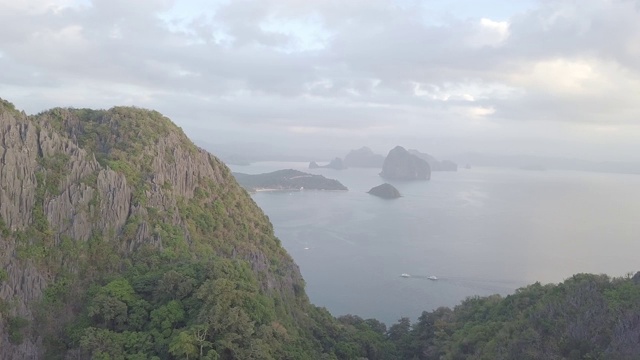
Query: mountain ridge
point(124, 181)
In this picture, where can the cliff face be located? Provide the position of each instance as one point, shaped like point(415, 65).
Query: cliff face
point(401, 165)
point(363, 158)
point(125, 179)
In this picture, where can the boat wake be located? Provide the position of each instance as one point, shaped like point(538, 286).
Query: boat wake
point(486, 285)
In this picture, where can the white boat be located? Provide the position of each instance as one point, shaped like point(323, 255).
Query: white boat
point(432, 277)
point(405, 275)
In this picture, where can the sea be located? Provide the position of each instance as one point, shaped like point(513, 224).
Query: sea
point(480, 231)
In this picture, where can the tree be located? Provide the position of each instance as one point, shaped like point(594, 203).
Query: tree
point(184, 345)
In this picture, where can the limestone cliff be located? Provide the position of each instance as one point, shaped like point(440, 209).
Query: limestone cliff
point(78, 185)
point(363, 158)
point(435, 164)
point(401, 165)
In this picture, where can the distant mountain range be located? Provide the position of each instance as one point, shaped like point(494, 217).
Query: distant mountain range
point(549, 163)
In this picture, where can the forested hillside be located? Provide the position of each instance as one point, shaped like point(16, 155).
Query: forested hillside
point(120, 239)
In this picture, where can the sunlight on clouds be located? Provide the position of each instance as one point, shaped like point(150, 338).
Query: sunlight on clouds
point(489, 33)
point(577, 77)
point(471, 91)
point(481, 111)
point(559, 76)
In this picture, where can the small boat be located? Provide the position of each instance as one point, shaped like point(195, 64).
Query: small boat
point(432, 277)
point(405, 275)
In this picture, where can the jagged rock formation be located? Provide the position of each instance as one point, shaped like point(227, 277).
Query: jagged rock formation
point(363, 158)
point(435, 164)
point(401, 165)
point(385, 191)
point(122, 181)
point(336, 164)
point(287, 180)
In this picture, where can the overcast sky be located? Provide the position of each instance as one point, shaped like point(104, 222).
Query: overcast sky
point(547, 77)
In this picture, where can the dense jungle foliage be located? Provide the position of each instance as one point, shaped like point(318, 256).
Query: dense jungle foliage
point(212, 281)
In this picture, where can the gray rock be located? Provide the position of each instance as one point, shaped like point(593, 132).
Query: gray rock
point(385, 191)
point(401, 165)
point(363, 158)
point(87, 197)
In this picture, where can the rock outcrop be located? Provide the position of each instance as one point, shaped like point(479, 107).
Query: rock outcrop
point(127, 179)
point(363, 158)
point(336, 164)
point(401, 165)
point(385, 191)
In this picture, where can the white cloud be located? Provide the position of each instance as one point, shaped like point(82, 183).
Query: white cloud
point(326, 67)
point(489, 33)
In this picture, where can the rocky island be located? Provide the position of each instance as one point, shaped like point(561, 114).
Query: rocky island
point(336, 164)
point(435, 164)
point(402, 165)
point(363, 158)
point(288, 179)
point(385, 191)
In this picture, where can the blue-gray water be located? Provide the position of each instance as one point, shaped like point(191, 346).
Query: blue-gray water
point(480, 231)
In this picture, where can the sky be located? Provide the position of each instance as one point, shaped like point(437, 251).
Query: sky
point(546, 77)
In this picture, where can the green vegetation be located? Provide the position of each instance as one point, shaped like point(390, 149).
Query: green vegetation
point(287, 180)
point(4, 275)
point(9, 107)
point(585, 317)
point(194, 271)
point(16, 326)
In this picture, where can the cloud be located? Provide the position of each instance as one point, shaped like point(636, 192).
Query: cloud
point(324, 69)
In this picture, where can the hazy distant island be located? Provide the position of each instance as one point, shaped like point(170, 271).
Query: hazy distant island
point(288, 179)
point(540, 163)
point(363, 158)
point(402, 165)
point(336, 164)
point(385, 191)
point(435, 164)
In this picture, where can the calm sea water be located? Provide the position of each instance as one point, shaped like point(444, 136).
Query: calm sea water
point(480, 231)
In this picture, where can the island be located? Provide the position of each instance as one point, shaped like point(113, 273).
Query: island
point(402, 165)
point(363, 158)
point(336, 164)
point(288, 179)
point(435, 164)
point(385, 191)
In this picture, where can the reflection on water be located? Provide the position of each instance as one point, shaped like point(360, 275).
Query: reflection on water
point(480, 231)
